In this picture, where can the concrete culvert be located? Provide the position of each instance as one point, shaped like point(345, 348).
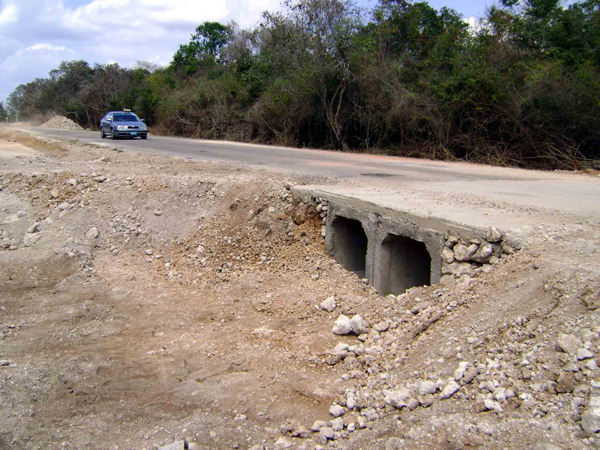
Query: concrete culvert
point(405, 263)
point(350, 245)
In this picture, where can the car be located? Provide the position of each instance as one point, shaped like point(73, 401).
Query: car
point(123, 124)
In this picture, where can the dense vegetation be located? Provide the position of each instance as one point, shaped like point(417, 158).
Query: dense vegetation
point(522, 88)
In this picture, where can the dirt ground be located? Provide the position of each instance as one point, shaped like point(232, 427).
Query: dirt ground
point(147, 299)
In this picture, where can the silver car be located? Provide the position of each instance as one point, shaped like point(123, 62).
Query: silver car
point(123, 124)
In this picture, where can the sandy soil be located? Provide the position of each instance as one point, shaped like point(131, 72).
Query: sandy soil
point(152, 299)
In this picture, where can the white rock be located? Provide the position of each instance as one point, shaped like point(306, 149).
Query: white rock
point(320, 424)
point(492, 405)
point(336, 410)
point(92, 233)
point(583, 353)
point(451, 388)
point(342, 325)
point(381, 327)
point(427, 388)
point(569, 343)
point(448, 255)
point(464, 253)
point(591, 365)
point(337, 424)
point(329, 304)
point(399, 398)
point(493, 235)
point(326, 432)
point(460, 372)
point(483, 253)
point(33, 228)
point(31, 239)
point(283, 443)
point(590, 421)
point(359, 326)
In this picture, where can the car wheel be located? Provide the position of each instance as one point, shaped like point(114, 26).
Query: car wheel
point(112, 134)
point(144, 137)
point(102, 135)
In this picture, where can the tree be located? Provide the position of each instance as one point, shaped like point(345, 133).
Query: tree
point(204, 48)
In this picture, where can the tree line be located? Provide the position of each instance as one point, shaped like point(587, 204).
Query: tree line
point(520, 88)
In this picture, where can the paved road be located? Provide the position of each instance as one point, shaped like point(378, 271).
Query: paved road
point(569, 193)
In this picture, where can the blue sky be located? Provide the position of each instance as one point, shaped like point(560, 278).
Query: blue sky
point(36, 35)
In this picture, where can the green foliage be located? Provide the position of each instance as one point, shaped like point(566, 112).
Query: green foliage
point(522, 89)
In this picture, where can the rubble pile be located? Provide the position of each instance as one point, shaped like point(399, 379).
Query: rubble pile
point(61, 123)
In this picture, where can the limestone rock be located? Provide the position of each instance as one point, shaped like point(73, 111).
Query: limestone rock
point(394, 443)
point(359, 326)
point(329, 304)
point(92, 233)
point(584, 353)
point(320, 424)
point(426, 387)
point(342, 325)
point(337, 424)
point(493, 235)
point(464, 253)
point(31, 239)
point(590, 421)
point(336, 410)
point(400, 398)
point(451, 388)
point(569, 343)
point(483, 253)
point(447, 255)
point(460, 372)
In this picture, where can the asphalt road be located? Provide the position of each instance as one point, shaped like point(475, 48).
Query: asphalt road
point(565, 192)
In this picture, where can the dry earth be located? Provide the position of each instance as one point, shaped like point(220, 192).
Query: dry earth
point(146, 300)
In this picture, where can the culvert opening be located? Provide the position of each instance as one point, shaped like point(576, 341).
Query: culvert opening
point(350, 245)
point(405, 263)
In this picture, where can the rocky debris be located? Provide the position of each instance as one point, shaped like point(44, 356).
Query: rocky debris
point(461, 257)
point(92, 233)
point(493, 235)
point(464, 253)
point(450, 389)
point(569, 343)
point(400, 398)
point(30, 239)
point(61, 123)
point(359, 326)
point(342, 325)
point(460, 372)
point(336, 410)
point(329, 304)
point(590, 421)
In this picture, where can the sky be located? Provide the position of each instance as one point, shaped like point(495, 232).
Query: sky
point(36, 35)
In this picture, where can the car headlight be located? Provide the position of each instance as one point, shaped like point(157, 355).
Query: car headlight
point(143, 127)
point(121, 127)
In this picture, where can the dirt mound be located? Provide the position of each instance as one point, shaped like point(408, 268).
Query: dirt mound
point(62, 123)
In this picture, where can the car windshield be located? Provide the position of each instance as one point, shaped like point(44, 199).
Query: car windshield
point(125, 118)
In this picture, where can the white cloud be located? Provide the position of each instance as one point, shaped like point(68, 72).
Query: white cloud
point(8, 15)
point(45, 47)
point(36, 35)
